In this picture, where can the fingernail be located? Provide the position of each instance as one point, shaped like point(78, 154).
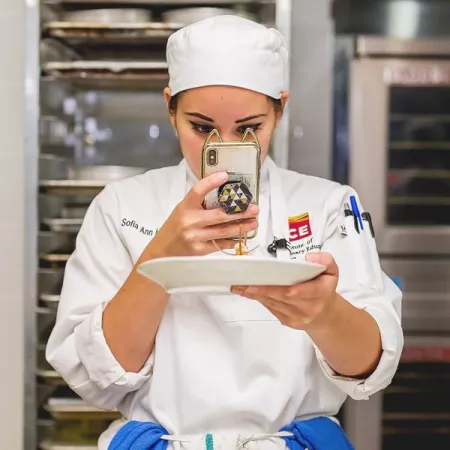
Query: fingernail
point(253, 224)
point(254, 209)
point(222, 176)
point(237, 290)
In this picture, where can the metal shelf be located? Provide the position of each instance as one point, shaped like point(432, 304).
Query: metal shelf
point(76, 34)
point(160, 2)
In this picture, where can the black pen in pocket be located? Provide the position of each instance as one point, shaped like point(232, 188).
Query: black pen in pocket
point(359, 248)
point(369, 232)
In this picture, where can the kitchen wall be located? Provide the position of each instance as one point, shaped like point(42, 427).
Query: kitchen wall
point(13, 213)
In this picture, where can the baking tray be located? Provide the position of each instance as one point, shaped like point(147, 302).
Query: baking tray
point(55, 258)
point(51, 242)
point(50, 281)
point(53, 167)
point(108, 15)
point(50, 300)
point(72, 409)
point(50, 377)
point(78, 433)
point(82, 179)
point(63, 225)
point(187, 16)
point(76, 33)
point(122, 70)
point(50, 445)
point(46, 318)
point(168, 2)
point(108, 82)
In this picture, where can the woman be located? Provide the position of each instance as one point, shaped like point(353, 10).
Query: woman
point(223, 370)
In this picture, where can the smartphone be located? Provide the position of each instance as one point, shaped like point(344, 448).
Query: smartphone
point(242, 162)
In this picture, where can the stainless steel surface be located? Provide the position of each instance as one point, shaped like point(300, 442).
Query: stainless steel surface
point(401, 19)
point(188, 16)
point(168, 2)
point(363, 422)
point(50, 242)
point(74, 211)
point(52, 98)
point(63, 225)
point(54, 131)
point(50, 377)
point(69, 408)
point(45, 323)
point(107, 81)
point(50, 206)
point(53, 168)
point(377, 45)
point(54, 257)
point(50, 281)
point(103, 173)
point(52, 50)
point(50, 301)
point(426, 292)
point(83, 179)
point(30, 194)
point(49, 445)
point(44, 392)
point(47, 13)
point(311, 61)
point(86, 34)
point(108, 16)
point(368, 132)
point(280, 152)
point(107, 66)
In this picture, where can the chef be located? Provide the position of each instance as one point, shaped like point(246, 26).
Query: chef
point(263, 367)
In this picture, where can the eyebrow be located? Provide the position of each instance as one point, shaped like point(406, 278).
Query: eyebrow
point(208, 119)
point(200, 116)
point(246, 119)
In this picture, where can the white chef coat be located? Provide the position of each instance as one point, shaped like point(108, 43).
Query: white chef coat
point(221, 364)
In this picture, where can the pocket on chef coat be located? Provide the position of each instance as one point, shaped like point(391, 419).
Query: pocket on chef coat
point(234, 308)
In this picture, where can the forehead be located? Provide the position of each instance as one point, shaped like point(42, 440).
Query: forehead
point(219, 100)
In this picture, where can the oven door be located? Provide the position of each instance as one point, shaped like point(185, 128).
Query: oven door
point(400, 151)
point(426, 293)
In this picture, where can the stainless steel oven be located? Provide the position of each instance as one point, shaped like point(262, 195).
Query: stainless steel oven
point(400, 142)
point(396, 154)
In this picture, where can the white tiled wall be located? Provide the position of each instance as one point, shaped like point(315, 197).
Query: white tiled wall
point(12, 210)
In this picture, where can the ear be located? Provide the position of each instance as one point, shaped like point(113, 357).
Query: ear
point(167, 96)
point(284, 99)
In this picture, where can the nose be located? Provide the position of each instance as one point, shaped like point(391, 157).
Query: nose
point(228, 136)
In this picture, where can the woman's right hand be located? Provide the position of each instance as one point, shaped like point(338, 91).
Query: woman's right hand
point(190, 230)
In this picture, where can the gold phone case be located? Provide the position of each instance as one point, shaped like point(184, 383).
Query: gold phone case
point(241, 160)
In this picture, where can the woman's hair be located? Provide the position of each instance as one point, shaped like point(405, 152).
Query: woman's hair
point(277, 104)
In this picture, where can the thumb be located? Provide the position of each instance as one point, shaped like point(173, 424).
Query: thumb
point(325, 259)
point(203, 187)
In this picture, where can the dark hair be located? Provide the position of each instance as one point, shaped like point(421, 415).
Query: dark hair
point(277, 104)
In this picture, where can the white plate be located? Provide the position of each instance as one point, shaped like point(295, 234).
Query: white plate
point(218, 274)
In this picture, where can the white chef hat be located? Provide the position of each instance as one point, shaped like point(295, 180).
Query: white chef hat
point(230, 51)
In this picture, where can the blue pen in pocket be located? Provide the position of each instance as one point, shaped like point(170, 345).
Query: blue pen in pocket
point(358, 245)
point(356, 212)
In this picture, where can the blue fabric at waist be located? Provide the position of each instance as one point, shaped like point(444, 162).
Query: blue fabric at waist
point(315, 434)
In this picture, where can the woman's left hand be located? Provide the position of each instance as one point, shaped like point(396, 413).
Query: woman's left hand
point(301, 306)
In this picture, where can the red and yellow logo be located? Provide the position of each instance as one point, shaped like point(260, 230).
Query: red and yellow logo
point(299, 227)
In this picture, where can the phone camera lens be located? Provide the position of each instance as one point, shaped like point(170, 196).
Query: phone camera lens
point(212, 157)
